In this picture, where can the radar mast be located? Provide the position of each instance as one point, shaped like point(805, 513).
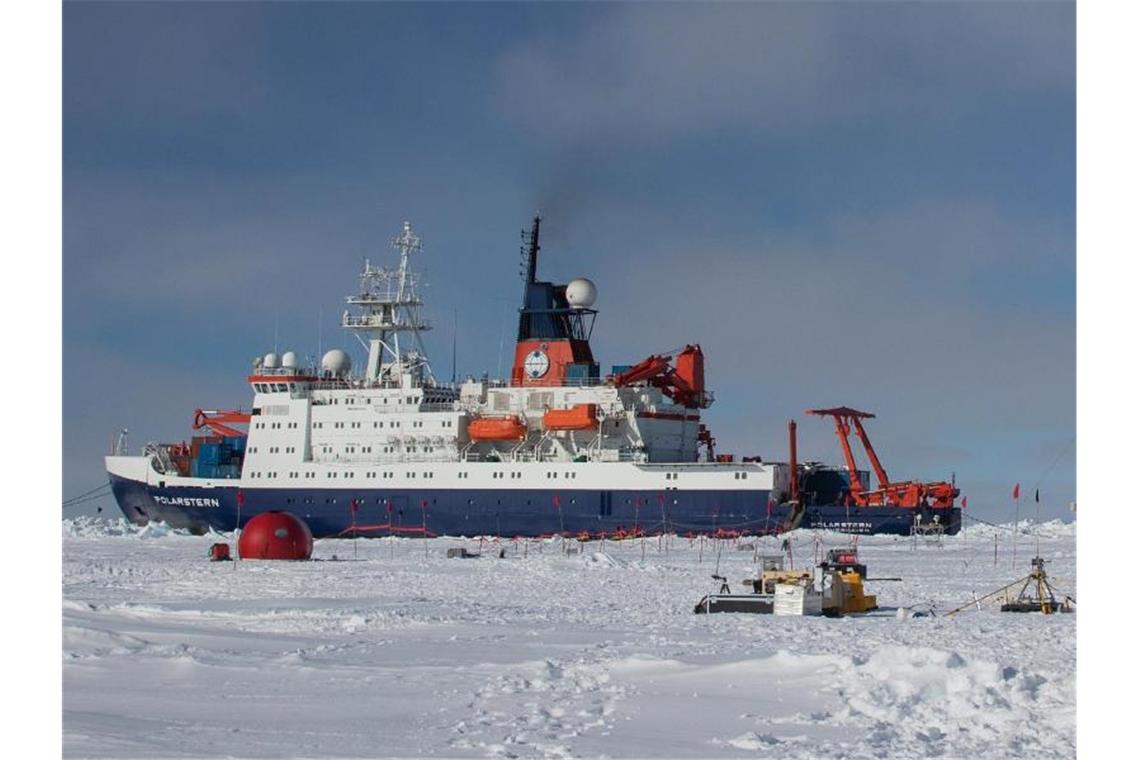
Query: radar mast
point(386, 308)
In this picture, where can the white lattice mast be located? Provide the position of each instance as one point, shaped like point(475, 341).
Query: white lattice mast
point(387, 307)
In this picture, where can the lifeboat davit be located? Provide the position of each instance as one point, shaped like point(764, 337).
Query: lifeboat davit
point(497, 429)
point(579, 417)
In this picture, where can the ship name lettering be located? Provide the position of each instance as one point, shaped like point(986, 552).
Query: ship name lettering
point(187, 501)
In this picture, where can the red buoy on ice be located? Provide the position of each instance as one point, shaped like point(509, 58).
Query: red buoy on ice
point(276, 535)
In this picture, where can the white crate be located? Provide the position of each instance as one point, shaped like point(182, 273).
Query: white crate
point(792, 599)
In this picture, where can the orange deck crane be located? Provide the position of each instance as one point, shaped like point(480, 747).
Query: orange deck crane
point(684, 382)
point(908, 493)
point(216, 420)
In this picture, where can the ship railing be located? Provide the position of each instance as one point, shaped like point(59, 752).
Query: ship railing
point(441, 406)
point(349, 383)
point(381, 321)
point(357, 383)
point(626, 454)
point(581, 382)
point(160, 458)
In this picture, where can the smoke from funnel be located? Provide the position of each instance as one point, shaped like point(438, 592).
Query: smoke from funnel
point(570, 189)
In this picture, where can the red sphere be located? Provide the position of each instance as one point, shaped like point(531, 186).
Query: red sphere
point(276, 535)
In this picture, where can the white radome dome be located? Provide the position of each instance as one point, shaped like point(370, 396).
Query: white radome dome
point(271, 361)
point(289, 360)
point(581, 293)
point(337, 362)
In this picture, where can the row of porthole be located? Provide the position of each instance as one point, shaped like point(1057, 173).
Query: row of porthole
point(462, 475)
point(471, 502)
point(350, 401)
point(377, 425)
point(350, 474)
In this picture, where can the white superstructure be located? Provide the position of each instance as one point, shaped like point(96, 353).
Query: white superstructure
point(392, 422)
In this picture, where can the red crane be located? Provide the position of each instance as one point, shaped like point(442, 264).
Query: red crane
point(684, 382)
point(905, 493)
point(216, 420)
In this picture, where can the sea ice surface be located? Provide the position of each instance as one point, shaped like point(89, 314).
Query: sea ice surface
point(395, 650)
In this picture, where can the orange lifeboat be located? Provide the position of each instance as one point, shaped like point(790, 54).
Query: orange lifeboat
point(496, 429)
point(579, 417)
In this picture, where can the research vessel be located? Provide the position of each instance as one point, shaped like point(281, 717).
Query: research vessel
point(558, 447)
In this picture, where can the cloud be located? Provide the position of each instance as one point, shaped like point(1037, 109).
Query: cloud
point(105, 391)
point(854, 203)
point(164, 66)
point(652, 73)
point(879, 311)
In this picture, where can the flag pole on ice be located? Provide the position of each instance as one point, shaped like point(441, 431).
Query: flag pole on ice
point(237, 525)
point(1016, 518)
point(1037, 519)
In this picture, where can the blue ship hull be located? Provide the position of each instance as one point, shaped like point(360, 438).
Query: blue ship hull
point(509, 513)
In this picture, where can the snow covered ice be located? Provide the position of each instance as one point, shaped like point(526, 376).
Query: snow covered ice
point(404, 652)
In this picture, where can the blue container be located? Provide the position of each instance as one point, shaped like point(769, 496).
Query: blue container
point(209, 453)
point(577, 371)
point(617, 369)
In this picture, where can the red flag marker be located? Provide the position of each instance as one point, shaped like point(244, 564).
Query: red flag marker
point(1017, 491)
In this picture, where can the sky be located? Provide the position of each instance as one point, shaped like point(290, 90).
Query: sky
point(862, 204)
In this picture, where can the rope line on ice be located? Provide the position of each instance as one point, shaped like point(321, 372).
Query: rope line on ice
point(1022, 531)
point(86, 496)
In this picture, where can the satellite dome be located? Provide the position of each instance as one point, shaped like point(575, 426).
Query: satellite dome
point(336, 362)
point(289, 360)
point(581, 293)
point(271, 361)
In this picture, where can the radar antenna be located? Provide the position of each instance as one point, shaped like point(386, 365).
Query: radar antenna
point(388, 306)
